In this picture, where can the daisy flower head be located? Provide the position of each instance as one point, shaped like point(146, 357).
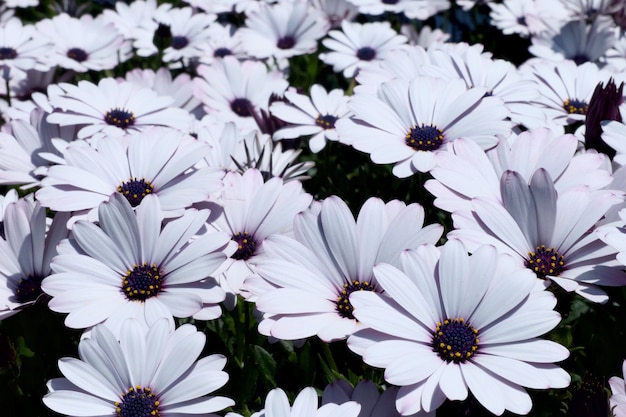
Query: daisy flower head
point(224, 40)
point(466, 171)
point(304, 405)
point(188, 30)
point(618, 394)
point(551, 234)
point(306, 282)
point(283, 30)
point(129, 266)
point(83, 44)
point(413, 9)
point(315, 115)
point(407, 124)
point(113, 108)
point(162, 81)
point(252, 211)
point(336, 11)
point(577, 40)
point(450, 323)
point(153, 373)
point(131, 20)
point(565, 88)
point(373, 403)
point(517, 17)
point(21, 48)
point(26, 248)
point(158, 162)
point(237, 90)
point(358, 45)
point(28, 150)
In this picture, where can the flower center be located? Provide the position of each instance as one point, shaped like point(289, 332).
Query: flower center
point(242, 107)
point(366, 53)
point(143, 282)
point(77, 54)
point(7, 53)
point(344, 307)
point(138, 402)
point(326, 122)
point(28, 289)
point(424, 138)
point(222, 52)
point(246, 245)
point(286, 42)
point(390, 1)
point(121, 118)
point(545, 262)
point(455, 340)
point(179, 42)
point(135, 190)
point(574, 106)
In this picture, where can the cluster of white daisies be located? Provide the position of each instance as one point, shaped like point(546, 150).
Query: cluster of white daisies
point(172, 196)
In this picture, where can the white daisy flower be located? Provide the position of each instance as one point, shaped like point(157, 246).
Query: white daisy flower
point(576, 40)
point(467, 172)
point(613, 134)
point(618, 394)
point(21, 48)
point(451, 324)
point(235, 90)
point(25, 252)
point(373, 403)
point(357, 45)
point(113, 108)
point(149, 374)
point(283, 30)
point(27, 151)
point(312, 277)
point(315, 115)
point(550, 234)
point(162, 81)
point(83, 44)
point(336, 11)
point(252, 211)
point(519, 17)
point(189, 30)
point(224, 40)
point(131, 20)
point(131, 267)
point(156, 162)
point(304, 405)
point(565, 88)
point(406, 124)
point(413, 9)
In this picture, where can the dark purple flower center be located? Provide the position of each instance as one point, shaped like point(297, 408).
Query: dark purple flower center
point(424, 138)
point(28, 289)
point(242, 107)
point(574, 106)
point(222, 52)
point(326, 122)
point(121, 118)
point(286, 42)
point(179, 42)
point(366, 53)
point(143, 282)
point(455, 340)
point(138, 402)
point(390, 1)
point(580, 59)
point(246, 246)
point(77, 54)
point(545, 261)
point(7, 53)
point(344, 307)
point(135, 190)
